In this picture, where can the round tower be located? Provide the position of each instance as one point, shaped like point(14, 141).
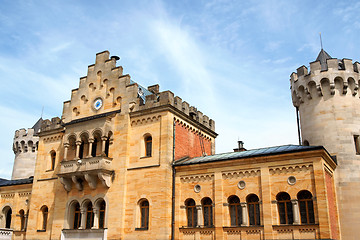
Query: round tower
point(25, 146)
point(327, 100)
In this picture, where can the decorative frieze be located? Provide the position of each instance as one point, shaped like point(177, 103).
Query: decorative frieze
point(7, 195)
point(241, 174)
point(145, 120)
point(53, 138)
point(290, 169)
point(197, 178)
point(24, 194)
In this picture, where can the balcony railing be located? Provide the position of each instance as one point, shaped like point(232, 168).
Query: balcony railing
point(86, 169)
point(93, 234)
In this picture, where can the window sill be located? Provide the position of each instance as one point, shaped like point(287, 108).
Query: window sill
point(42, 230)
point(145, 157)
point(141, 229)
point(185, 227)
point(49, 170)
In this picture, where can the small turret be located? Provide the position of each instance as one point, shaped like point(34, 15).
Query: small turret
point(25, 146)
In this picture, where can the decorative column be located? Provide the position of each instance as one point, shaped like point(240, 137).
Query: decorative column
point(295, 208)
point(245, 217)
point(96, 218)
point(83, 218)
point(78, 143)
point(91, 141)
point(103, 143)
point(66, 148)
point(200, 220)
point(25, 221)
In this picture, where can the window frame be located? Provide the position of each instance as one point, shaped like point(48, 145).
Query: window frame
point(306, 202)
point(253, 210)
point(285, 211)
point(237, 218)
point(191, 213)
point(207, 206)
point(144, 207)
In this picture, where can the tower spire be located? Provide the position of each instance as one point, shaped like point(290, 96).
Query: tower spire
point(321, 41)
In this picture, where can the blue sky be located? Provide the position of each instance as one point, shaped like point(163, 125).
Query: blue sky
point(230, 59)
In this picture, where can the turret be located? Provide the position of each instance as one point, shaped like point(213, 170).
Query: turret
point(327, 99)
point(25, 146)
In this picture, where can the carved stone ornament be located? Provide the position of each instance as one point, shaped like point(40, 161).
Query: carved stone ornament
point(92, 180)
point(66, 182)
point(105, 179)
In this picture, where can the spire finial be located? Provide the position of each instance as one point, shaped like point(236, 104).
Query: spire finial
point(321, 41)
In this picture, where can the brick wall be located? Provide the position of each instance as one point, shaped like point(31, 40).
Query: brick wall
point(332, 205)
point(187, 142)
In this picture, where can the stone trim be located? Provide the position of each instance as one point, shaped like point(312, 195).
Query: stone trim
point(290, 169)
point(241, 174)
point(197, 178)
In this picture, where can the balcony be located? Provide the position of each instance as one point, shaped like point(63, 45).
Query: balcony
point(93, 234)
point(86, 170)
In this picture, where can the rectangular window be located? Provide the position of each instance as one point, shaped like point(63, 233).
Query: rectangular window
point(357, 145)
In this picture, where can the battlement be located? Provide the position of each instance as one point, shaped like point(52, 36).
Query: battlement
point(48, 125)
point(25, 141)
point(324, 78)
point(168, 98)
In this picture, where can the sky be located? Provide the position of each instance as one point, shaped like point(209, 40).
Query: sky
point(230, 59)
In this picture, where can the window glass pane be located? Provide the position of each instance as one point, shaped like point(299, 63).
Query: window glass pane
point(251, 214)
point(239, 215)
point(233, 215)
point(257, 217)
point(303, 216)
point(206, 216)
point(210, 216)
point(311, 212)
point(281, 207)
point(289, 212)
point(190, 216)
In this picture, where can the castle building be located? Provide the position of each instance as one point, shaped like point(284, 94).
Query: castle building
point(128, 162)
point(328, 103)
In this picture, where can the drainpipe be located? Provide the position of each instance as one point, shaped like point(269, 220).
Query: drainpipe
point(173, 188)
point(298, 124)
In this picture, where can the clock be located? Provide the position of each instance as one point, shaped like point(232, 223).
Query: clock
point(98, 103)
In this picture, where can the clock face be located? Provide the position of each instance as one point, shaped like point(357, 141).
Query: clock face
point(98, 103)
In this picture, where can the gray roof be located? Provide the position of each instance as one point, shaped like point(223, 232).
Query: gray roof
point(322, 57)
point(144, 91)
point(5, 182)
point(247, 154)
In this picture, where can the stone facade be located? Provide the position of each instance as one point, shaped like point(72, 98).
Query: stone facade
point(328, 102)
point(128, 162)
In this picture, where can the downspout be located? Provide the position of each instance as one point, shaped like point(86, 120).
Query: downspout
point(298, 124)
point(173, 188)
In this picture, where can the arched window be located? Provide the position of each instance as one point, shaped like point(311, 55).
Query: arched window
point(53, 158)
point(7, 212)
point(306, 207)
point(44, 212)
point(208, 211)
point(235, 211)
point(102, 214)
point(77, 216)
point(148, 146)
point(89, 216)
point(72, 148)
point(254, 209)
point(107, 144)
point(96, 146)
point(191, 213)
point(144, 214)
point(22, 220)
point(285, 208)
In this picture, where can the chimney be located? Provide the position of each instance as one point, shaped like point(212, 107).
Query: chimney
point(240, 147)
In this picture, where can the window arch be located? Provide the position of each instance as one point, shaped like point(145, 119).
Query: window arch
point(254, 209)
point(72, 148)
point(191, 212)
point(235, 211)
point(148, 145)
point(96, 145)
point(207, 211)
point(144, 214)
point(306, 206)
point(84, 145)
point(89, 216)
point(22, 219)
point(77, 216)
point(7, 211)
point(44, 212)
point(285, 208)
point(53, 159)
point(107, 144)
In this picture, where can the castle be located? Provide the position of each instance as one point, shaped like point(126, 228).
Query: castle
point(128, 162)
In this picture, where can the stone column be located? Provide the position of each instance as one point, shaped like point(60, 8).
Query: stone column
point(200, 218)
point(25, 221)
point(96, 218)
point(295, 208)
point(91, 141)
point(103, 143)
point(78, 143)
point(266, 207)
point(66, 148)
point(83, 218)
point(245, 216)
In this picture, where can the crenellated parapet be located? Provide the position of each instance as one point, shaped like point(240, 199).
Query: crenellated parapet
point(53, 124)
point(325, 79)
point(158, 99)
point(25, 141)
